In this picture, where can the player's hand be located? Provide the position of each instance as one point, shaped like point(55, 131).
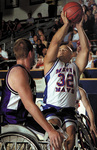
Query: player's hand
point(64, 18)
point(56, 139)
point(80, 23)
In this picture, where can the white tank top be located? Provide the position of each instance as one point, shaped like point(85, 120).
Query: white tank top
point(61, 85)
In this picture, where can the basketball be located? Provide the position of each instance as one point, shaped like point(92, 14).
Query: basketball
point(73, 11)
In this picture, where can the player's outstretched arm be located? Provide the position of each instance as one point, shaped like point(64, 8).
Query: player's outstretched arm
point(52, 51)
point(87, 105)
point(21, 85)
point(82, 57)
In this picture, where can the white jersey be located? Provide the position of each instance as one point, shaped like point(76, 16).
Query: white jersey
point(89, 64)
point(61, 85)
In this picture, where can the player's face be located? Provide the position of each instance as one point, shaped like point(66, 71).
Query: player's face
point(64, 54)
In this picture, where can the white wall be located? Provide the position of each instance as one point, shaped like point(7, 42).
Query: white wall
point(21, 11)
point(25, 7)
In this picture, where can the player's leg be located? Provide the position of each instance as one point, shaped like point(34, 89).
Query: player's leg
point(56, 122)
point(70, 129)
point(71, 137)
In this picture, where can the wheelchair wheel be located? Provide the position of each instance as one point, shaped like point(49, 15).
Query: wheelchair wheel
point(92, 135)
point(84, 137)
point(18, 141)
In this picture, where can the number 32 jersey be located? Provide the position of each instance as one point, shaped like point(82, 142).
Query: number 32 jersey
point(61, 85)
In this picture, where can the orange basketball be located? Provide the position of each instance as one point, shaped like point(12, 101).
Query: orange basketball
point(73, 11)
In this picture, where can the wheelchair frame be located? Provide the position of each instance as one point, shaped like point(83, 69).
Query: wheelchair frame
point(84, 140)
point(22, 138)
point(19, 137)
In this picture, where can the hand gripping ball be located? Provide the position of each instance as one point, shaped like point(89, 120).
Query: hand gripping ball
point(73, 11)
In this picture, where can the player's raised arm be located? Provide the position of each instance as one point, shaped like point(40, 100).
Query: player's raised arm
point(88, 107)
point(82, 57)
point(52, 51)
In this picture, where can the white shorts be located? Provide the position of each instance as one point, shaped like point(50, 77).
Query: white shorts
point(66, 123)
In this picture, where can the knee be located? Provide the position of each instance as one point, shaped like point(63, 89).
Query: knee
point(55, 122)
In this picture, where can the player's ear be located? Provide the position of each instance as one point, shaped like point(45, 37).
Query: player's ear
point(30, 53)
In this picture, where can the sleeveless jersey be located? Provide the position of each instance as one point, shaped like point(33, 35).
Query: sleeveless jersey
point(11, 104)
point(61, 85)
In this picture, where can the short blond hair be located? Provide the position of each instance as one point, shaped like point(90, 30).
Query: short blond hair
point(21, 48)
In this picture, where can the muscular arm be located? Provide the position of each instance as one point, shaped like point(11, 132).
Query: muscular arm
point(19, 81)
point(52, 51)
point(88, 108)
point(82, 57)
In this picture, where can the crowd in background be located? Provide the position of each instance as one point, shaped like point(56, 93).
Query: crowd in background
point(11, 27)
point(72, 37)
point(41, 42)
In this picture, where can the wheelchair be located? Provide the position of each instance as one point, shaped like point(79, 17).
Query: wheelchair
point(20, 137)
point(84, 140)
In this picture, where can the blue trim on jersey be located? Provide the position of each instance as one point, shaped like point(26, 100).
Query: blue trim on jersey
point(45, 95)
point(47, 106)
point(47, 78)
point(52, 68)
point(45, 92)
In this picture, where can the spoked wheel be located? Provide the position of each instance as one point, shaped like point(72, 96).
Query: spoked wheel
point(85, 138)
point(85, 119)
point(82, 141)
point(18, 141)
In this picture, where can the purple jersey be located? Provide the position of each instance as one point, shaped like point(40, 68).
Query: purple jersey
point(11, 104)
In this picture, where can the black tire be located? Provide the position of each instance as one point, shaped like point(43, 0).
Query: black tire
point(14, 141)
point(92, 135)
point(84, 136)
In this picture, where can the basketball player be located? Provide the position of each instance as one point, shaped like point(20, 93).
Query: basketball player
point(83, 97)
point(19, 94)
point(62, 79)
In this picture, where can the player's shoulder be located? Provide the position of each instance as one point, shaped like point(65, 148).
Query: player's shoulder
point(16, 68)
point(17, 71)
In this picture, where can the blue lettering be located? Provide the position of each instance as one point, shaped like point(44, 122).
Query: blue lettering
point(70, 69)
point(58, 70)
point(63, 69)
point(68, 89)
point(57, 89)
point(67, 69)
point(72, 91)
